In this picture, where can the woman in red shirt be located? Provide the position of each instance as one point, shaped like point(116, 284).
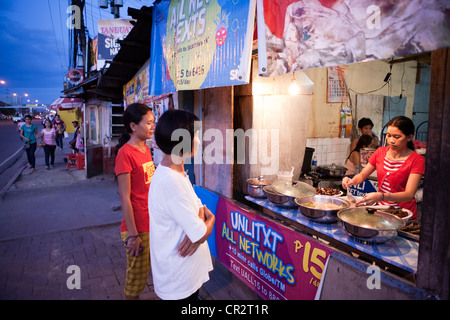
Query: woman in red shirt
point(134, 169)
point(399, 169)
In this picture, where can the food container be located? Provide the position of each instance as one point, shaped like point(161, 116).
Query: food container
point(402, 213)
point(333, 170)
point(370, 226)
point(296, 189)
point(322, 213)
point(278, 198)
point(255, 187)
point(327, 191)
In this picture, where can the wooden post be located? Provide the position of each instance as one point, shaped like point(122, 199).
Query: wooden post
point(433, 271)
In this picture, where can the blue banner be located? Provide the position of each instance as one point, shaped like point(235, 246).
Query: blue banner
point(200, 44)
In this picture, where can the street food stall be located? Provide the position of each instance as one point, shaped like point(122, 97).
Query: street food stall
point(282, 251)
point(266, 237)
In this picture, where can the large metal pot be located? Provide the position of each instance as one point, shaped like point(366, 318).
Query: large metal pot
point(255, 187)
point(296, 189)
point(321, 215)
point(369, 225)
point(333, 170)
point(278, 198)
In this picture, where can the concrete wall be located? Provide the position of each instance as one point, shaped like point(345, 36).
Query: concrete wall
point(380, 105)
point(278, 122)
point(282, 114)
point(362, 78)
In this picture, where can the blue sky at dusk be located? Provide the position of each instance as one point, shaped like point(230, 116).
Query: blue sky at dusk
point(34, 46)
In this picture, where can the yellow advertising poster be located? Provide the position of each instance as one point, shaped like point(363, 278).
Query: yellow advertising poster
point(136, 90)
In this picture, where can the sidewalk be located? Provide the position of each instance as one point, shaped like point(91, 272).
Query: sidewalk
point(52, 219)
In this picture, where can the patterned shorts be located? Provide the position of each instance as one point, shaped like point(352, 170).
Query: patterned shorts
point(137, 267)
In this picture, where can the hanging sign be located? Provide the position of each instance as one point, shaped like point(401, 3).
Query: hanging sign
point(75, 76)
point(278, 263)
point(109, 32)
point(136, 90)
point(321, 33)
point(200, 44)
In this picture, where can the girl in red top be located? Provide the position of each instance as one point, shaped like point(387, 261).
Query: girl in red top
point(134, 169)
point(399, 169)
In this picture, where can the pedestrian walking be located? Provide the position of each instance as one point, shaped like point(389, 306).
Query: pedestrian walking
point(76, 134)
point(179, 223)
point(19, 126)
point(60, 128)
point(134, 169)
point(29, 134)
point(48, 136)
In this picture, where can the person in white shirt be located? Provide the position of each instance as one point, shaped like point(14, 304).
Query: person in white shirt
point(179, 223)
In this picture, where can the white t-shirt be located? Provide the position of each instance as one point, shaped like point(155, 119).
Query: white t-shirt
point(173, 208)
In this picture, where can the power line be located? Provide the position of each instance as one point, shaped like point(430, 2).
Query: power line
point(61, 23)
point(54, 33)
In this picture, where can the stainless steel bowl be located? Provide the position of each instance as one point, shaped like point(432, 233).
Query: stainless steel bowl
point(278, 198)
point(369, 225)
point(255, 187)
point(321, 215)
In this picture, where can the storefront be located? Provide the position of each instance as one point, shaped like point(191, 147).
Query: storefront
point(239, 216)
point(277, 252)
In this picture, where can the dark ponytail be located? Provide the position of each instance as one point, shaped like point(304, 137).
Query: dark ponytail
point(363, 142)
point(405, 125)
point(122, 140)
point(133, 114)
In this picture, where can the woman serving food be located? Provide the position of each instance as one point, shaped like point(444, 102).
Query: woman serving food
point(399, 169)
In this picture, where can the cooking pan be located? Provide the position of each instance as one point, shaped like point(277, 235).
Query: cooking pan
point(370, 225)
point(323, 215)
point(255, 187)
point(278, 198)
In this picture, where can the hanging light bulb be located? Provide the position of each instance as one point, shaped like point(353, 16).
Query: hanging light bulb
point(294, 89)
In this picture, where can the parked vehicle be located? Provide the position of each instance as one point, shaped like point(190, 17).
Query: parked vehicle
point(17, 117)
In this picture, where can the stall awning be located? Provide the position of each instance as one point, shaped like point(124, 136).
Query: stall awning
point(66, 104)
point(294, 35)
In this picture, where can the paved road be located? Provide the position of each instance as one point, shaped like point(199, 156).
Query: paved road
point(10, 141)
point(12, 155)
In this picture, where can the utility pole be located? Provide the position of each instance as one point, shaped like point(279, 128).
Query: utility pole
point(79, 35)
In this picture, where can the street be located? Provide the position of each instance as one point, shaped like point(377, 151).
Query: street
point(10, 141)
point(12, 156)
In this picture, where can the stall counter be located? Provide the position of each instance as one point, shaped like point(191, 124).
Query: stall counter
point(279, 254)
point(398, 253)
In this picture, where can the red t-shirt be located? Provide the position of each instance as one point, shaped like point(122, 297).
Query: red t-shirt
point(141, 168)
point(415, 163)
